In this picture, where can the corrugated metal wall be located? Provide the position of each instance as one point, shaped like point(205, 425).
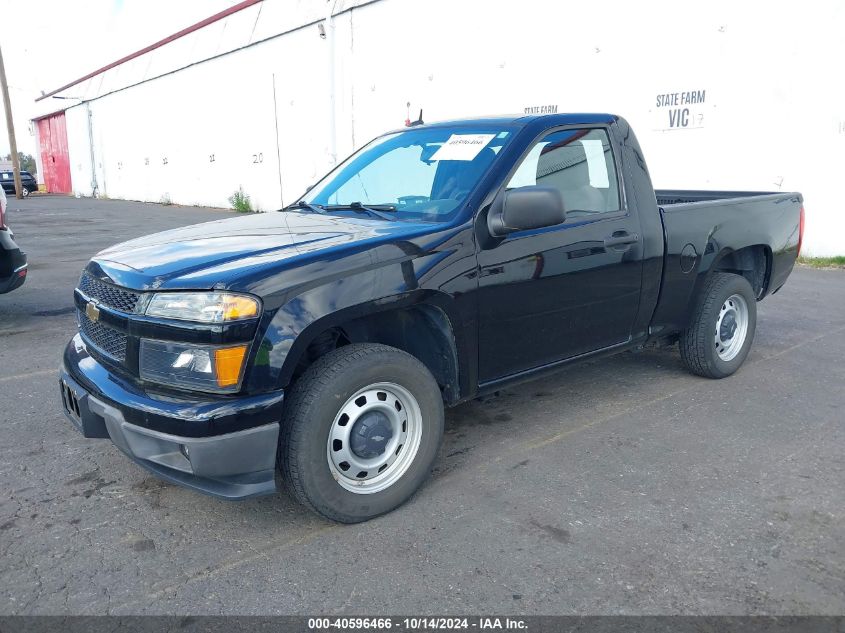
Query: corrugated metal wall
point(258, 118)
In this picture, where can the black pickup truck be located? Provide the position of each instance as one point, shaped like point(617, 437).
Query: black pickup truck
point(438, 263)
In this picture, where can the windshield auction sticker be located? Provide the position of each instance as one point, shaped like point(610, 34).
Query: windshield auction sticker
point(462, 146)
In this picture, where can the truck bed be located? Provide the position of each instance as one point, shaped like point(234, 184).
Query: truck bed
point(709, 225)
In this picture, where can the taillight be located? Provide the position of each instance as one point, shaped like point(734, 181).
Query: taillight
point(2, 215)
point(800, 230)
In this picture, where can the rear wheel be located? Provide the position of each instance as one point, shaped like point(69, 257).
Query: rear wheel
point(360, 432)
point(722, 328)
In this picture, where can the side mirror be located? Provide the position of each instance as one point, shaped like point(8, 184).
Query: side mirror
point(525, 208)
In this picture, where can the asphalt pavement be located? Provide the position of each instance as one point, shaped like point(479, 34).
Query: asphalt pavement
point(620, 486)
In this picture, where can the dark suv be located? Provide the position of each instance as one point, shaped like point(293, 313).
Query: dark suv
point(28, 182)
point(13, 265)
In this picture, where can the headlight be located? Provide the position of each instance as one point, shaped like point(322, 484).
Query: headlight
point(191, 366)
point(203, 307)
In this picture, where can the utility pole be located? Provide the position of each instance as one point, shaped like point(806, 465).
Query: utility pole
point(10, 126)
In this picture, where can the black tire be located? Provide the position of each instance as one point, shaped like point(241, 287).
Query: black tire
point(311, 407)
point(697, 343)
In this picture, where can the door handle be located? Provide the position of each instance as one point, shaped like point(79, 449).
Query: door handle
point(621, 238)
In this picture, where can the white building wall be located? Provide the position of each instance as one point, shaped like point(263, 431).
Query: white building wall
point(773, 116)
point(79, 150)
point(39, 168)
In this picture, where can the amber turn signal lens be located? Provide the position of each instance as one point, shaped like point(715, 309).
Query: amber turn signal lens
point(228, 362)
point(236, 307)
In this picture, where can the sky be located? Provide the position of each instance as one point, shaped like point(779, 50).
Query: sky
point(48, 43)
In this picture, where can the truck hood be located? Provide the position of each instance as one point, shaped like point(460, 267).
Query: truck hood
point(224, 253)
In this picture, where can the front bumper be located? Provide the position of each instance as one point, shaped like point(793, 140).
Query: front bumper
point(224, 447)
point(13, 281)
point(13, 265)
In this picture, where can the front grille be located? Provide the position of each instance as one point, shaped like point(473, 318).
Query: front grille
point(102, 338)
point(107, 294)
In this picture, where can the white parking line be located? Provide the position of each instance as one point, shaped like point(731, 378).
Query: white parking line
point(30, 374)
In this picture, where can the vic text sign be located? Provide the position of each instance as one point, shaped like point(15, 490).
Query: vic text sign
point(680, 110)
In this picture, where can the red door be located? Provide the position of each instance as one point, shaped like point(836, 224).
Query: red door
point(55, 161)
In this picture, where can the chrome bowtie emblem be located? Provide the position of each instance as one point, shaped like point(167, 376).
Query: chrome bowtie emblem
point(92, 311)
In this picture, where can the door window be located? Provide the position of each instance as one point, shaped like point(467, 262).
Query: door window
point(577, 162)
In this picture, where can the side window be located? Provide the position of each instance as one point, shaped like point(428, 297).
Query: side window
point(577, 162)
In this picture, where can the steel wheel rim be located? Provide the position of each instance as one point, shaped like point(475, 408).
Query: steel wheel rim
point(731, 327)
point(386, 402)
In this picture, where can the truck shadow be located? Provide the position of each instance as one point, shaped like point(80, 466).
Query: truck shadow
point(548, 405)
point(474, 431)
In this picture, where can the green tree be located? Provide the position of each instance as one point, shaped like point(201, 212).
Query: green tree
point(27, 162)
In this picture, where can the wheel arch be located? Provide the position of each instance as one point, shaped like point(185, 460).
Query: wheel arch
point(753, 262)
point(419, 323)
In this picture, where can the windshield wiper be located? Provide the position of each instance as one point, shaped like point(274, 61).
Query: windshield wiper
point(375, 210)
point(301, 204)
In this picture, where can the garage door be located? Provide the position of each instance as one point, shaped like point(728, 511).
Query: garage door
point(52, 133)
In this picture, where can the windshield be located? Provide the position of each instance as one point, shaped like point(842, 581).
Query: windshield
point(424, 174)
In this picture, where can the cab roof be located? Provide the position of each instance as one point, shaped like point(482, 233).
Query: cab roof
point(522, 120)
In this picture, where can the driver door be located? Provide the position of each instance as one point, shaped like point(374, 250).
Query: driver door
point(546, 295)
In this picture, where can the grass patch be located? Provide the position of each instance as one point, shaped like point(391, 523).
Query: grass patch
point(823, 262)
point(240, 201)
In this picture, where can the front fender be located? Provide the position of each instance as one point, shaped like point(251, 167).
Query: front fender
point(439, 271)
point(296, 324)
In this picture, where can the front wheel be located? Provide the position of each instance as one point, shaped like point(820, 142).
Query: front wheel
point(360, 432)
point(722, 328)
